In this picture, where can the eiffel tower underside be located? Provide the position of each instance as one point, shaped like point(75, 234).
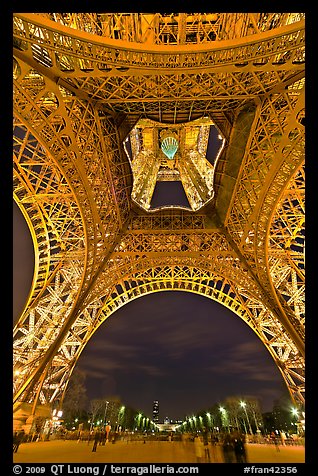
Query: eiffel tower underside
point(81, 84)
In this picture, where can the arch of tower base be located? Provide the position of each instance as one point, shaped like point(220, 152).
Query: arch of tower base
point(179, 277)
point(235, 297)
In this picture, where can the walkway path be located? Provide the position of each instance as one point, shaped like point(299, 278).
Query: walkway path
point(59, 451)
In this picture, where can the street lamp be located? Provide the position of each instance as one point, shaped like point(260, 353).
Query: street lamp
point(201, 421)
point(295, 414)
point(106, 406)
point(120, 417)
point(243, 405)
point(138, 419)
point(195, 421)
point(224, 418)
point(209, 419)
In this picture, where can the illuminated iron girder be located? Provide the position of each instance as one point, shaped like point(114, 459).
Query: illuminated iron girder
point(176, 28)
point(126, 80)
point(81, 83)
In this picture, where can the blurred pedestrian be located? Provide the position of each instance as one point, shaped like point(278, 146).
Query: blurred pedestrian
point(214, 451)
point(228, 449)
point(15, 439)
point(239, 447)
point(198, 448)
point(283, 438)
point(103, 437)
point(80, 435)
point(18, 437)
point(108, 428)
point(206, 435)
point(275, 440)
point(276, 443)
point(96, 440)
point(114, 437)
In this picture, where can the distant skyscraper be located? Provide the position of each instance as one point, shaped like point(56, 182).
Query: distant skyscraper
point(155, 411)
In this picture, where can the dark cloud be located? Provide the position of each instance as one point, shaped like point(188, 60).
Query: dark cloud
point(248, 359)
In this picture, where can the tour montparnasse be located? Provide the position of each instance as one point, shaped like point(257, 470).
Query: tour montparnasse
point(107, 106)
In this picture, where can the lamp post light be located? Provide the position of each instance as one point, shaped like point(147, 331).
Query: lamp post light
point(138, 419)
point(201, 421)
point(190, 421)
point(224, 418)
point(195, 421)
point(243, 405)
point(209, 419)
point(295, 414)
point(105, 412)
point(120, 416)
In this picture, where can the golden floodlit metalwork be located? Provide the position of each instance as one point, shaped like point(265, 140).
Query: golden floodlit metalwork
point(86, 82)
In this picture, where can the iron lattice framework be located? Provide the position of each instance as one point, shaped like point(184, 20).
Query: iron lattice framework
point(81, 83)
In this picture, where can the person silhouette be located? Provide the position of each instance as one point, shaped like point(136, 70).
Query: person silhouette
point(239, 447)
point(198, 448)
point(206, 435)
point(96, 440)
point(18, 437)
point(228, 449)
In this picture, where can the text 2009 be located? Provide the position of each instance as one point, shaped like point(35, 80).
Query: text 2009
point(34, 469)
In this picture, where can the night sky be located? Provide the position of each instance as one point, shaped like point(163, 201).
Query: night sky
point(185, 350)
point(169, 193)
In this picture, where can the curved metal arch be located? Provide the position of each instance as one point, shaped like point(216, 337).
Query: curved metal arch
point(282, 351)
point(94, 48)
point(34, 218)
point(128, 25)
point(160, 276)
point(47, 203)
point(44, 197)
point(248, 308)
point(55, 221)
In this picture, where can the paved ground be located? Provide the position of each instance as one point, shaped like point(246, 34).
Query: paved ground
point(59, 451)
